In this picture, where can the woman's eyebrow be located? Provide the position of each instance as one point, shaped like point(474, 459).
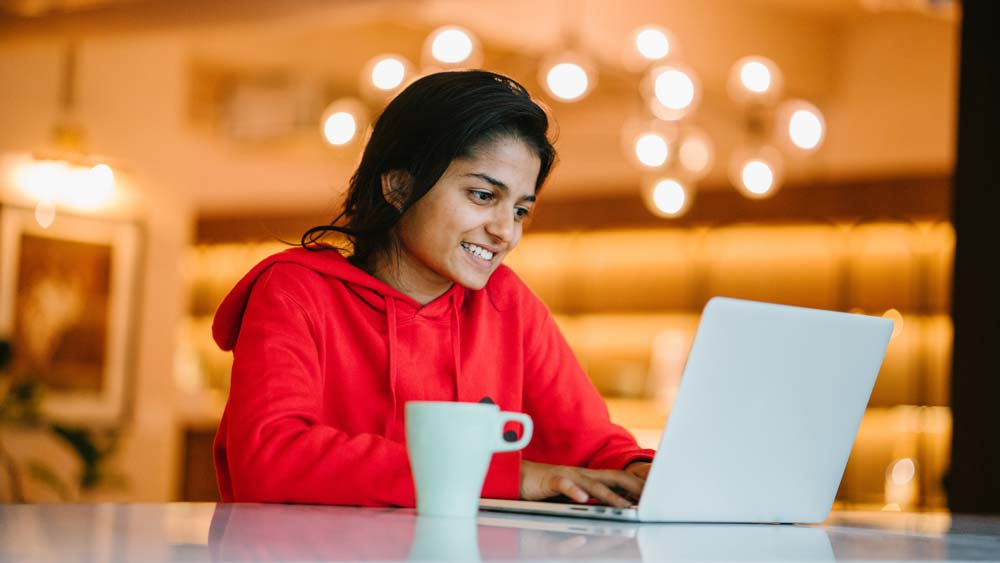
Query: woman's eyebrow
point(498, 184)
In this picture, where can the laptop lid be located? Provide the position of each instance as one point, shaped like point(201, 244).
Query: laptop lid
point(766, 413)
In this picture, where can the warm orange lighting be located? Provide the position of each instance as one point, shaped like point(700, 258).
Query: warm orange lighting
point(675, 91)
point(652, 42)
point(903, 471)
point(59, 182)
point(342, 121)
point(757, 174)
point(668, 197)
point(696, 153)
point(897, 321)
point(567, 77)
point(45, 214)
point(801, 124)
point(451, 46)
point(754, 78)
point(339, 128)
point(388, 73)
point(384, 75)
point(652, 150)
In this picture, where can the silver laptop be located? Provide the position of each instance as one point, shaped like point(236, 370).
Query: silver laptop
point(764, 420)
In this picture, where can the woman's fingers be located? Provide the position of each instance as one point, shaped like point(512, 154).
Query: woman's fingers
point(624, 480)
point(603, 493)
point(615, 488)
point(567, 486)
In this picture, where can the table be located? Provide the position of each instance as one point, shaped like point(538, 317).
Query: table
point(183, 532)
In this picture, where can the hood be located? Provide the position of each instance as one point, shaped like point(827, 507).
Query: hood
point(377, 294)
point(329, 263)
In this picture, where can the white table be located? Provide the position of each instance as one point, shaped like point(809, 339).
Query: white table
point(179, 532)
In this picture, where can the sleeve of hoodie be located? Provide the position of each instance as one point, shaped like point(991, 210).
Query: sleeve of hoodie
point(277, 449)
point(572, 425)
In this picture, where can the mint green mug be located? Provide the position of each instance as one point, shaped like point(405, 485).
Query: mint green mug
point(450, 446)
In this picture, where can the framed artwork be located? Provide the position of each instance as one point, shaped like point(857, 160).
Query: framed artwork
point(67, 302)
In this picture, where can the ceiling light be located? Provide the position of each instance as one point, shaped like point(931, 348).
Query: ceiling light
point(652, 150)
point(342, 120)
point(696, 153)
point(668, 197)
point(451, 46)
point(754, 79)
point(652, 42)
point(567, 77)
point(802, 125)
point(674, 89)
point(384, 75)
point(757, 174)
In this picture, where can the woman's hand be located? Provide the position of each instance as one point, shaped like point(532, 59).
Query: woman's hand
point(639, 468)
point(541, 480)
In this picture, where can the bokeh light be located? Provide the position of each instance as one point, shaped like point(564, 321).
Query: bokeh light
point(339, 128)
point(567, 77)
point(388, 73)
point(652, 150)
point(652, 43)
point(451, 45)
point(696, 153)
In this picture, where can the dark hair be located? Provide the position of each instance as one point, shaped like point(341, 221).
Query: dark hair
point(435, 120)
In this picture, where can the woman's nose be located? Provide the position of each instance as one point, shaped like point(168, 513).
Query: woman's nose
point(502, 225)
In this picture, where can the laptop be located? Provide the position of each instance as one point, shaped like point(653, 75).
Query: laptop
point(763, 422)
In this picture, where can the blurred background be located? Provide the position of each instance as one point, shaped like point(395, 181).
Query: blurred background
point(152, 151)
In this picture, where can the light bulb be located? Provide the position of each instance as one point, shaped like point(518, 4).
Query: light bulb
point(668, 197)
point(673, 91)
point(339, 128)
point(754, 79)
point(897, 321)
point(451, 45)
point(805, 129)
point(652, 43)
point(342, 120)
point(652, 150)
point(757, 176)
point(696, 153)
point(91, 188)
point(45, 214)
point(567, 77)
point(388, 73)
point(803, 123)
point(757, 173)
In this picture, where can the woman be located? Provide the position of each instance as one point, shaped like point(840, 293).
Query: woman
point(327, 349)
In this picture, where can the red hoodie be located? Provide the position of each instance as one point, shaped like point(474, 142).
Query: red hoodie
point(325, 357)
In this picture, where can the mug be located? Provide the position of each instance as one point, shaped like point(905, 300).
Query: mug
point(450, 446)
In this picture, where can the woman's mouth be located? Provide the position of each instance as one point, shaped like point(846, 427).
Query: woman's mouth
point(478, 251)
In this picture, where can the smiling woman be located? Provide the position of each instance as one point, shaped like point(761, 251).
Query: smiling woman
point(330, 343)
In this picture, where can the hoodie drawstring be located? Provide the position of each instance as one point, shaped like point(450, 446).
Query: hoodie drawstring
point(390, 313)
point(456, 345)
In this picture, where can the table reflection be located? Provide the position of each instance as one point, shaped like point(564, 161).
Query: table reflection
point(304, 533)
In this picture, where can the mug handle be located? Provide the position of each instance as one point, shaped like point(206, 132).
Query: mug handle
point(529, 427)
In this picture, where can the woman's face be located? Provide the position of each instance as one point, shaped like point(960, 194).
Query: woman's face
point(467, 222)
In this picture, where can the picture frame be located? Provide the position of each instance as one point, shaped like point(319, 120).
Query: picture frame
point(68, 301)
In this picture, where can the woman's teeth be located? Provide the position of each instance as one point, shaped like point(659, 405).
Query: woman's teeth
point(478, 251)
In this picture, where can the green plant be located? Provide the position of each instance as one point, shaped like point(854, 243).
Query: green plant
point(20, 406)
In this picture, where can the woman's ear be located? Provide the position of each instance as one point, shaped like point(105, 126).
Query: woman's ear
point(396, 186)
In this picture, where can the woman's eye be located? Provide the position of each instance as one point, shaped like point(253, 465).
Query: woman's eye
point(481, 195)
point(521, 212)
